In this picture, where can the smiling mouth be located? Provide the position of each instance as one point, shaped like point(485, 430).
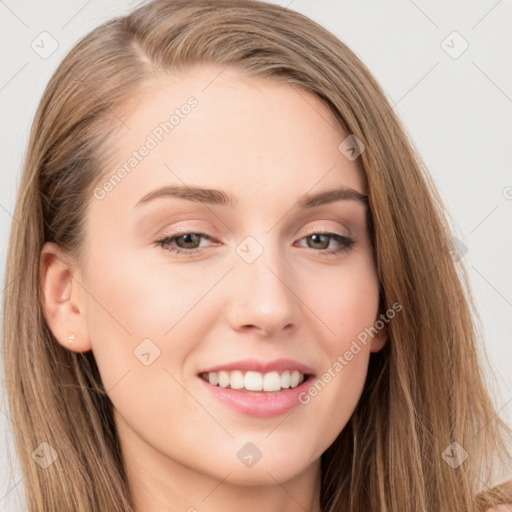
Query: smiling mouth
point(273, 381)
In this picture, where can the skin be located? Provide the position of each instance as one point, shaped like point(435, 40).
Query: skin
point(267, 144)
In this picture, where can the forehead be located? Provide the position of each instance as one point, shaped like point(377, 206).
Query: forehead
point(255, 137)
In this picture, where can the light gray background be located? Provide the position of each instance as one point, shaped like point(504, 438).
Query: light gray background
point(456, 110)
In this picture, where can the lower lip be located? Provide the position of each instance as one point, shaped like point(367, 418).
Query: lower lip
point(259, 403)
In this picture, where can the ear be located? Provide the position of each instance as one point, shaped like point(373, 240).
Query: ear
point(63, 299)
point(381, 337)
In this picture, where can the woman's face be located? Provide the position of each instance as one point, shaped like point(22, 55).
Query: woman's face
point(245, 279)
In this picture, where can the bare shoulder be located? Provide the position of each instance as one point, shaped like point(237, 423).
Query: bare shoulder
point(501, 508)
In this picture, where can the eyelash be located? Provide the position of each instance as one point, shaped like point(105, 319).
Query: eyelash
point(345, 241)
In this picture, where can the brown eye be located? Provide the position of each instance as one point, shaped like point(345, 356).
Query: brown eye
point(317, 241)
point(189, 241)
point(321, 242)
point(182, 243)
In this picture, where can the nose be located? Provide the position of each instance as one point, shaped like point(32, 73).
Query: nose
point(263, 299)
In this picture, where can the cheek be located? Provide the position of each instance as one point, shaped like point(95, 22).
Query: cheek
point(346, 301)
point(348, 307)
point(141, 334)
point(141, 300)
point(144, 321)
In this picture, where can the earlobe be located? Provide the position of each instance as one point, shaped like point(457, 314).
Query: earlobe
point(378, 342)
point(62, 299)
point(381, 337)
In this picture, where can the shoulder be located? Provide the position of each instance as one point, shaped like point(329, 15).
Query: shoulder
point(501, 508)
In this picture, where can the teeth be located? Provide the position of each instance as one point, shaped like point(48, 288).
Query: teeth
point(236, 380)
point(255, 381)
point(213, 378)
point(285, 379)
point(272, 381)
point(223, 379)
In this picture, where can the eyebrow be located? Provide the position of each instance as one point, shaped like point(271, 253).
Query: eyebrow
point(221, 198)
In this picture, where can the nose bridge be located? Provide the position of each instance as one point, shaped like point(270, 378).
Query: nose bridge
point(263, 297)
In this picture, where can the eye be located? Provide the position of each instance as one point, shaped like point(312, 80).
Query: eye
point(185, 243)
point(323, 240)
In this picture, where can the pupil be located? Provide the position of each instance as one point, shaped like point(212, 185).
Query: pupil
point(315, 238)
point(187, 238)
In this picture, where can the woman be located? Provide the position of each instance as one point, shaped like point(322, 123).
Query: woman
point(246, 294)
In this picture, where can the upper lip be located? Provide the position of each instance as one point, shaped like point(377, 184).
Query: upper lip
point(279, 365)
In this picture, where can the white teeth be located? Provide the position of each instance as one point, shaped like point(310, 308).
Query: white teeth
point(255, 381)
point(223, 379)
point(285, 379)
point(294, 379)
point(237, 380)
point(271, 382)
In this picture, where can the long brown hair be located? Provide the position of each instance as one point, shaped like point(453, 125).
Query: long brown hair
point(425, 390)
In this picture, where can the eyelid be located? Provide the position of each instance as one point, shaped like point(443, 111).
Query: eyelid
point(182, 230)
point(329, 230)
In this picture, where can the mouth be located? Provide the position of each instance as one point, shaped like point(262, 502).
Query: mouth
point(261, 389)
point(256, 382)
